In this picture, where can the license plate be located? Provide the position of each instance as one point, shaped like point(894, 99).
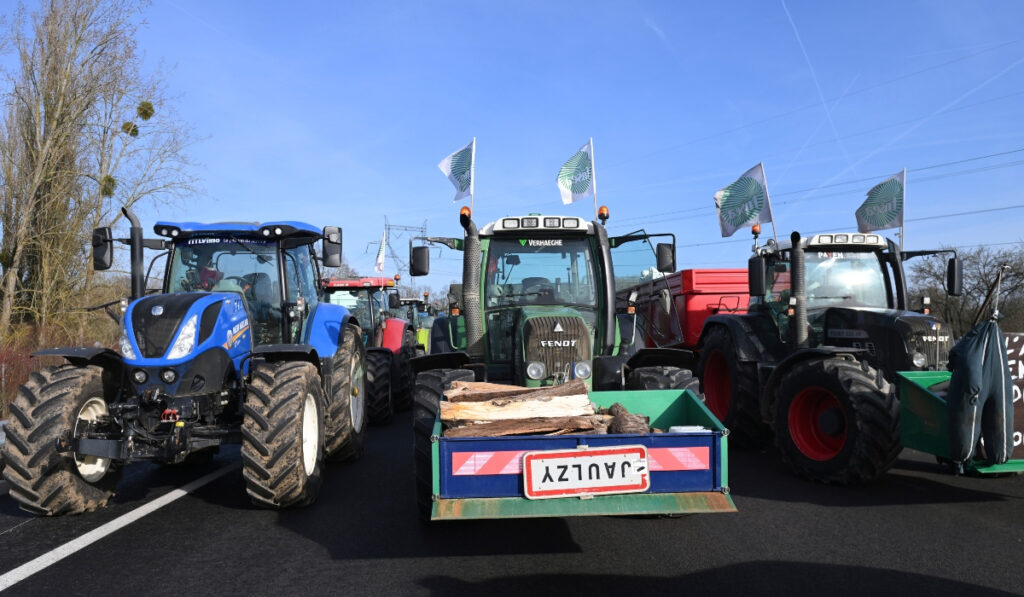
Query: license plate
point(583, 472)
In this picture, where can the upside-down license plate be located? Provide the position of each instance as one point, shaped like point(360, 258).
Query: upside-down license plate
point(592, 471)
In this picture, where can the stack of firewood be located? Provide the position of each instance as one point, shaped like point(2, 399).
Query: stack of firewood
point(479, 409)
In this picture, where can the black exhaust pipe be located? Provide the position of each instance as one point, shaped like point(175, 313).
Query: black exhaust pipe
point(798, 292)
point(135, 242)
point(471, 288)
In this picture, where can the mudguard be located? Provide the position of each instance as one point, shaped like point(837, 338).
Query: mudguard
point(394, 334)
point(81, 357)
point(744, 337)
point(444, 360)
point(661, 357)
point(324, 327)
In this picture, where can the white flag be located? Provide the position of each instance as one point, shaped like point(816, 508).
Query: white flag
point(378, 265)
point(744, 202)
point(576, 178)
point(458, 167)
point(884, 205)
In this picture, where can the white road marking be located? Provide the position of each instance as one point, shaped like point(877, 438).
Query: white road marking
point(52, 557)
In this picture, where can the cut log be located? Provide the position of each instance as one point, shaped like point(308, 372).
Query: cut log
point(539, 425)
point(479, 391)
point(625, 422)
point(502, 409)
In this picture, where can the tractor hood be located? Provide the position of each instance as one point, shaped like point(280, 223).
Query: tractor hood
point(556, 337)
point(893, 339)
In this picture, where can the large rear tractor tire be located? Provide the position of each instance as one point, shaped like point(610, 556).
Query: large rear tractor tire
point(427, 395)
point(282, 434)
point(53, 401)
point(346, 414)
point(404, 378)
point(836, 421)
point(661, 378)
point(380, 407)
point(730, 390)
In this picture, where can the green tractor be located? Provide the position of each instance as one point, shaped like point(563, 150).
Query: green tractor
point(815, 359)
point(537, 308)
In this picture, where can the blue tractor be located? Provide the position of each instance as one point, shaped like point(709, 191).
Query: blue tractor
point(239, 346)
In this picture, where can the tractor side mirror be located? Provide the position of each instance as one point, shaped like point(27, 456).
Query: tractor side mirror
point(666, 257)
point(955, 277)
point(331, 248)
point(102, 249)
point(393, 301)
point(756, 276)
point(419, 261)
point(454, 299)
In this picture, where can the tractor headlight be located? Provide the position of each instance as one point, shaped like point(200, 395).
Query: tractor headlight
point(168, 376)
point(918, 359)
point(536, 370)
point(186, 341)
point(140, 376)
point(582, 370)
point(126, 346)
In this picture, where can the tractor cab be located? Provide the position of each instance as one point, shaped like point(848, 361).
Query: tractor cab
point(538, 298)
point(855, 295)
point(371, 301)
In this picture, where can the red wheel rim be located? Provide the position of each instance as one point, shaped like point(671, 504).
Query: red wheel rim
point(717, 385)
point(805, 424)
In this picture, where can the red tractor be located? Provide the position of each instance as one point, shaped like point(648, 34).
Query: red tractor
point(390, 342)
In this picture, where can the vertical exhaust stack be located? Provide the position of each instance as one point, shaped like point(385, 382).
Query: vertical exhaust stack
point(471, 286)
point(135, 242)
point(798, 292)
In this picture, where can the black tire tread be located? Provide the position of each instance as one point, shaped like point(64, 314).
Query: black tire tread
point(427, 396)
point(379, 392)
point(662, 378)
point(272, 434)
point(746, 429)
point(43, 481)
point(874, 431)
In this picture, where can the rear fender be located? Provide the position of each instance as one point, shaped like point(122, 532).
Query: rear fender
point(767, 398)
point(444, 360)
point(394, 334)
point(660, 357)
point(744, 338)
point(325, 327)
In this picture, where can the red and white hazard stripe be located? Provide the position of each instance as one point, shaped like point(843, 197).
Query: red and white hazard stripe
point(510, 462)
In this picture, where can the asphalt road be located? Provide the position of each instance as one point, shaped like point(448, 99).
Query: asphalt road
point(916, 532)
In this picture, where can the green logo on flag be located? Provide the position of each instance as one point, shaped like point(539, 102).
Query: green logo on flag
point(741, 201)
point(576, 174)
point(461, 165)
point(884, 204)
point(522, 242)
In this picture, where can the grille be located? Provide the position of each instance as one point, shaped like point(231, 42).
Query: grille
point(153, 333)
point(557, 350)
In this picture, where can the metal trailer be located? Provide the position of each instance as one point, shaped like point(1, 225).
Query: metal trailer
point(484, 477)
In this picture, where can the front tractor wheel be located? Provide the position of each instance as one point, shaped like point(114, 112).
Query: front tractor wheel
point(730, 390)
point(53, 401)
point(427, 395)
point(282, 434)
point(836, 421)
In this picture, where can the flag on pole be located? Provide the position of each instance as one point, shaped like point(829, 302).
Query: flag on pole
point(458, 167)
point(744, 202)
point(576, 178)
point(884, 206)
point(378, 265)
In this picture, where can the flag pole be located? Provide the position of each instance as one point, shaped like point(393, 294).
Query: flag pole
point(472, 174)
point(904, 218)
point(768, 198)
point(593, 174)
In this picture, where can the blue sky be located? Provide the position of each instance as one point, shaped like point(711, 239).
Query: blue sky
point(338, 112)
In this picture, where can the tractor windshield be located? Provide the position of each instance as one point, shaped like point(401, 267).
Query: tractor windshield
point(364, 303)
point(549, 271)
point(835, 279)
point(246, 266)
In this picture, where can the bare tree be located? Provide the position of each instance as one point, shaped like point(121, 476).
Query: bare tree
point(84, 134)
point(928, 275)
